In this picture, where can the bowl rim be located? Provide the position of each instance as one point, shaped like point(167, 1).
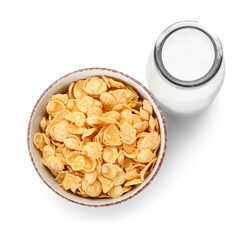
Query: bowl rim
point(162, 119)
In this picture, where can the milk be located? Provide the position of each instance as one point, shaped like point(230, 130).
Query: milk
point(188, 54)
point(185, 70)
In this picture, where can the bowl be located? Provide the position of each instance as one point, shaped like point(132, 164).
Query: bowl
point(39, 111)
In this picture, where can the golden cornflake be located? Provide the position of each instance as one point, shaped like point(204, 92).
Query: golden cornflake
point(126, 163)
point(136, 118)
point(119, 179)
point(109, 170)
point(157, 124)
point(131, 174)
point(94, 86)
point(52, 162)
point(133, 154)
point(76, 117)
point(107, 184)
point(71, 182)
point(110, 154)
point(84, 141)
point(93, 190)
point(152, 124)
point(60, 97)
point(108, 100)
point(59, 117)
point(126, 189)
point(145, 169)
point(133, 182)
point(43, 123)
point(87, 102)
point(94, 111)
point(70, 90)
point(54, 165)
point(141, 126)
point(141, 134)
point(101, 121)
point(127, 133)
point(54, 107)
point(91, 177)
point(90, 164)
point(129, 147)
point(92, 150)
point(126, 116)
point(73, 129)
point(120, 107)
point(60, 148)
point(114, 84)
point(135, 104)
point(88, 132)
point(137, 165)
point(72, 143)
point(135, 96)
point(76, 160)
point(122, 96)
point(151, 141)
point(60, 157)
point(106, 81)
point(145, 156)
point(78, 90)
point(102, 195)
point(121, 157)
point(111, 135)
point(144, 115)
point(115, 192)
point(59, 131)
point(61, 176)
point(147, 106)
point(66, 151)
point(81, 192)
point(48, 152)
point(41, 140)
point(113, 114)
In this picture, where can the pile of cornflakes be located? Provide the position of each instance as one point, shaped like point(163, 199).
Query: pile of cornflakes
point(100, 139)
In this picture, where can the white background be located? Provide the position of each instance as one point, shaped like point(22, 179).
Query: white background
point(203, 190)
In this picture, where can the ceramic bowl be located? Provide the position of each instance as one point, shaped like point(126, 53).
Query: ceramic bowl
point(39, 111)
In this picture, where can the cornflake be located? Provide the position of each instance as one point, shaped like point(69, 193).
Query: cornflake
point(41, 140)
point(127, 133)
point(115, 192)
point(78, 90)
point(71, 182)
point(99, 139)
point(94, 86)
point(59, 131)
point(54, 107)
point(91, 177)
point(93, 190)
point(76, 160)
point(92, 150)
point(111, 135)
point(108, 100)
point(76, 117)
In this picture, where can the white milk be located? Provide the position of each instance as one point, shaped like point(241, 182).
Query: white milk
point(188, 54)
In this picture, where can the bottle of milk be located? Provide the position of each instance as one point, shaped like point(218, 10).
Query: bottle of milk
point(185, 70)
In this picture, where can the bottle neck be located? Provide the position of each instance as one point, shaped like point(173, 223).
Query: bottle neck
point(168, 34)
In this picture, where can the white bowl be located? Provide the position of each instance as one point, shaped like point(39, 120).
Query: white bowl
point(39, 111)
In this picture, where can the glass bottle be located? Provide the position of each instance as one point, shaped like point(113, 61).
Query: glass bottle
point(185, 70)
